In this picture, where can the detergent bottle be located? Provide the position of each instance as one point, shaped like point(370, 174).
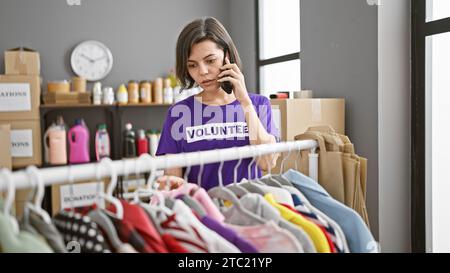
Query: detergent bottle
point(102, 143)
point(79, 142)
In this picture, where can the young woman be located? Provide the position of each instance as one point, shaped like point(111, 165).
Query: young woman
point(214, 119)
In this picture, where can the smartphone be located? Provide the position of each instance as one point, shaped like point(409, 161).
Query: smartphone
point(226, 86)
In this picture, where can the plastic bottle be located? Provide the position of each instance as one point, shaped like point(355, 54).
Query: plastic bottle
point(122, 95)
point(129, 144)
point(102, 143)
point(55, 143)
point(158, 90)
point(47, 142)
point(173, 78)
point(97, 93)
point(148, 137)
point(79, 142)
point(145, 89)
point(133, 92)
point(168, 92)
point(142, 143)
point(108, 95)
point(153, 142)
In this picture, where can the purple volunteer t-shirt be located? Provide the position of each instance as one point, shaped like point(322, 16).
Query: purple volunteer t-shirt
point(192, 126)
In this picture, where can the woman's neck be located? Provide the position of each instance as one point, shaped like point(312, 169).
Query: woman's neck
point(218, 97)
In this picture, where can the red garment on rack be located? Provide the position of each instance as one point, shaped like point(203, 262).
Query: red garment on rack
point(136, 216)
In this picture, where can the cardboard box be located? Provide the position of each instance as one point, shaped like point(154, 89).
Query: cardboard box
point(72, 98)
point(5, 147)
point(21, 198)
point(83, 193)
point(19, 97)
point(22, 61)
point(25, 142)
point(294, 116)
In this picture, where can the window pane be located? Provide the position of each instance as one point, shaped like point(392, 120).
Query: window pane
point(277, 77)
point(437, 9)
point(279, 28)
point(437, 132)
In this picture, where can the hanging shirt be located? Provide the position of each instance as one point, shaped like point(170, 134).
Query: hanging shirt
point(358, 235)
point(179, 228)
point(314, 232)
point(80, 229)
point(214, 242)
point(314, 215)
point(230, 235)
point(256, 204)
point(192, 126)
point(136, 216)
point(127, 233)
point(329, 233)
point(24, 242)
point(49, 232)
point(302, 203)
point(199, 194)
point(269, 238)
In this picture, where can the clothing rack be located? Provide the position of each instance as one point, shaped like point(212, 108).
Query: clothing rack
point(82, 172)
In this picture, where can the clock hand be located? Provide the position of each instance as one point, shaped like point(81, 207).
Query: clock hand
point(86, 57)
point(98, 59)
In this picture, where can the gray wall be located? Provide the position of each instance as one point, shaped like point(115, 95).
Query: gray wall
point(242, 30)
point(141, 34)
point(394, 125)
point(339, 59)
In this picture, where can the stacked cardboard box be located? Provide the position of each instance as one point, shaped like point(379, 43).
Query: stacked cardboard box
point(293, 117)
point(67, 98)
point(5, 146)
point(20, 90)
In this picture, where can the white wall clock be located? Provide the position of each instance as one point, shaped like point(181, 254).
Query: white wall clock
point(91, 60)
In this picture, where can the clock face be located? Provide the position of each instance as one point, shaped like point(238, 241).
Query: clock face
point(91, 60)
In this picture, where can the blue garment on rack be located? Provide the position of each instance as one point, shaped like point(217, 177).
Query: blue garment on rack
point(358, 235)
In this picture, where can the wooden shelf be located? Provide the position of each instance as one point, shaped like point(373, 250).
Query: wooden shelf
point(53, 106)
point(144, 104)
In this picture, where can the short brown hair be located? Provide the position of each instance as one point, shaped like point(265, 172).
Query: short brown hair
point(198, 31)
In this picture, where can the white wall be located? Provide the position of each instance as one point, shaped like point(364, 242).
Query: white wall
point(394, 125)
point(437, 90)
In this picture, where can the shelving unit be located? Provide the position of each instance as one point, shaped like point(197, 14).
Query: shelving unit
point(115, 117)
point(142, 116)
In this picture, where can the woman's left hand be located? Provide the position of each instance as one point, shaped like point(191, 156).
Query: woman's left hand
point(233, 74)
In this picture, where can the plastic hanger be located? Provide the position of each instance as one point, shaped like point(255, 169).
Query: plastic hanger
point(235, 187)
point(223, 193)
point(10, 195)
point(99, 216)
point(71, 182)
point(251, 185)
point(284, 181)
point(280, 177)
point(283, 160)
point(200, 171)
point(36, 207)
point(268, 180)
point(150, 190)
point(188, 170)
point(124, 185)
point(188, 200)
point(109, 193)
